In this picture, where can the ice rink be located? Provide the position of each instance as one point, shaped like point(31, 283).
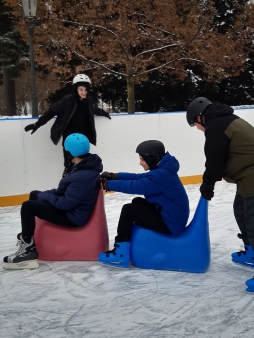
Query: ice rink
point(86, 299)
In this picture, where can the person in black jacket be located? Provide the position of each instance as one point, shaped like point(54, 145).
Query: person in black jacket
point(229, 151)
point(75, 114)
point(70, 205)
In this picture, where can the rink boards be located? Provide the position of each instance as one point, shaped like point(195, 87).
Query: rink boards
point(33, 162)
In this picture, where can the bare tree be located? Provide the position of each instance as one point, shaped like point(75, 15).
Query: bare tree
point(132, 38)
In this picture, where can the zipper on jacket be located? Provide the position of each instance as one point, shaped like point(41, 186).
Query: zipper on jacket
point(67, 122)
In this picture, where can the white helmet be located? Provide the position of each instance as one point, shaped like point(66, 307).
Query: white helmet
point(81, 78)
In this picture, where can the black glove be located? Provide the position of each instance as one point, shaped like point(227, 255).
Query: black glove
point(32, 127)
point(105, 184)
point(107, 115)
point(207, 191)
point(109, 176)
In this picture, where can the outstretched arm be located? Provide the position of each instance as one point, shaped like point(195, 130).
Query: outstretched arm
point(100, 112)
point(54, 110)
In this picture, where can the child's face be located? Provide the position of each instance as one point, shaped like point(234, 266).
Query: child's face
point(198, 125)
point(82, 91)
point(143, 163)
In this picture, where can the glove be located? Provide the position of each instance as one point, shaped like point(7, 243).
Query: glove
point(32, 127)
point(109, 176)
point(207, 191)
point(105, 184)
point(107, 115)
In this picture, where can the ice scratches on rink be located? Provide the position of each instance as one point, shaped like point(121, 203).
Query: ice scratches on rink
point(86, 299)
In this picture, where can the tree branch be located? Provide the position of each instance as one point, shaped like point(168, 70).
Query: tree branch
point(101, 65)
point(159, 29)
point(165, 64)
point(156, 49)
point(86, 24)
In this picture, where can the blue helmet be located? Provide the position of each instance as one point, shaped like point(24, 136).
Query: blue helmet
point(77, 144)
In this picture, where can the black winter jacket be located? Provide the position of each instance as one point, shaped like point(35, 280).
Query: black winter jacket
point(64, 110)
point(229, 149)
point(77, 192)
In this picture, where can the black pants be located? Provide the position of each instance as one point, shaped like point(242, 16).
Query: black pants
point(43, 210)
point(244, 215)
point(143, 214)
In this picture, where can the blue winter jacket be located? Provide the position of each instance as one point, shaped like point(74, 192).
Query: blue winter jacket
point(162, 187)
point(77, 192)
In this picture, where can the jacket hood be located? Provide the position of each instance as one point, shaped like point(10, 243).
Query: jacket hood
point(215, 110)
point(93, 161)
point(169, 162)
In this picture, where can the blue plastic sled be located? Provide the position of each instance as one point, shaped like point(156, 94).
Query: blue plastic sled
point(188, 252)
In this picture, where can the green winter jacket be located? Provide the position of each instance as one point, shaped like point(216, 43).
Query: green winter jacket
point(239, 167)
point(229, 149)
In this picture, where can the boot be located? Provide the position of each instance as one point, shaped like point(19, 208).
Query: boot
point(250, 285)
point(119, 257)
point(24, 258)
point(244, 258)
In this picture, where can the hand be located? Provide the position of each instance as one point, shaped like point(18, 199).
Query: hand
point(207, 191)
point(109, 176)
point(108, 116)
point(32, 127)
point(105, 184)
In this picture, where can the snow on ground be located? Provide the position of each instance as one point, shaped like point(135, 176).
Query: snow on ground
point(86, 299)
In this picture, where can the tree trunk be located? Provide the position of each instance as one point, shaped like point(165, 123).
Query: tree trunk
point(131, 95)
point(130, 88)
point(9, 94)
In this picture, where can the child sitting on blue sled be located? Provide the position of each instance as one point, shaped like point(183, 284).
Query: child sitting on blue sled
point(164, 209)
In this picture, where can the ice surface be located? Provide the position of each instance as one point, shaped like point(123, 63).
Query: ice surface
point(86, 299)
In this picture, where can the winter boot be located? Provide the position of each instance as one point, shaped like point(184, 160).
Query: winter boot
point(25, 257)
point(244, 258)
point(250, 285)
point(119, 257)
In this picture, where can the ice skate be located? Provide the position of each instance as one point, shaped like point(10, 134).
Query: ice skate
point(250, 285)
point(244, 258)
point(119, 257)
point(24, 258)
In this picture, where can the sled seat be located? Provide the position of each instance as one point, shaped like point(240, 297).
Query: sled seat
point(188, 252)
point(58, 243)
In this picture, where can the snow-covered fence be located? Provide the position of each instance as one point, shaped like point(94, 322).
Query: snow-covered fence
point(30, 162)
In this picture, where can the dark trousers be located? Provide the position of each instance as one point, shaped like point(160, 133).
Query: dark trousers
point(43, 210)
point(244, 215)
point(144, 214)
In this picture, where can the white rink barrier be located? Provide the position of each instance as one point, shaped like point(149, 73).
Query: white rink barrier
point(33, 162)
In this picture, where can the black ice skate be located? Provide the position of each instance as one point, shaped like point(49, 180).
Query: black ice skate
point(25, 257)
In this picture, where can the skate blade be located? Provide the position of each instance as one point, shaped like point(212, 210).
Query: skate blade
point(33, 264)
point(245, 265)
point(114, 265)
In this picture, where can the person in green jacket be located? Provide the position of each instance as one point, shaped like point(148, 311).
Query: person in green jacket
point(229, 151)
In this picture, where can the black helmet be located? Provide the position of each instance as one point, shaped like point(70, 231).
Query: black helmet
point(152, 148)
point(196, 107)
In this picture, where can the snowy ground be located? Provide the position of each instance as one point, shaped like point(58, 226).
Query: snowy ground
point(85, 299)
